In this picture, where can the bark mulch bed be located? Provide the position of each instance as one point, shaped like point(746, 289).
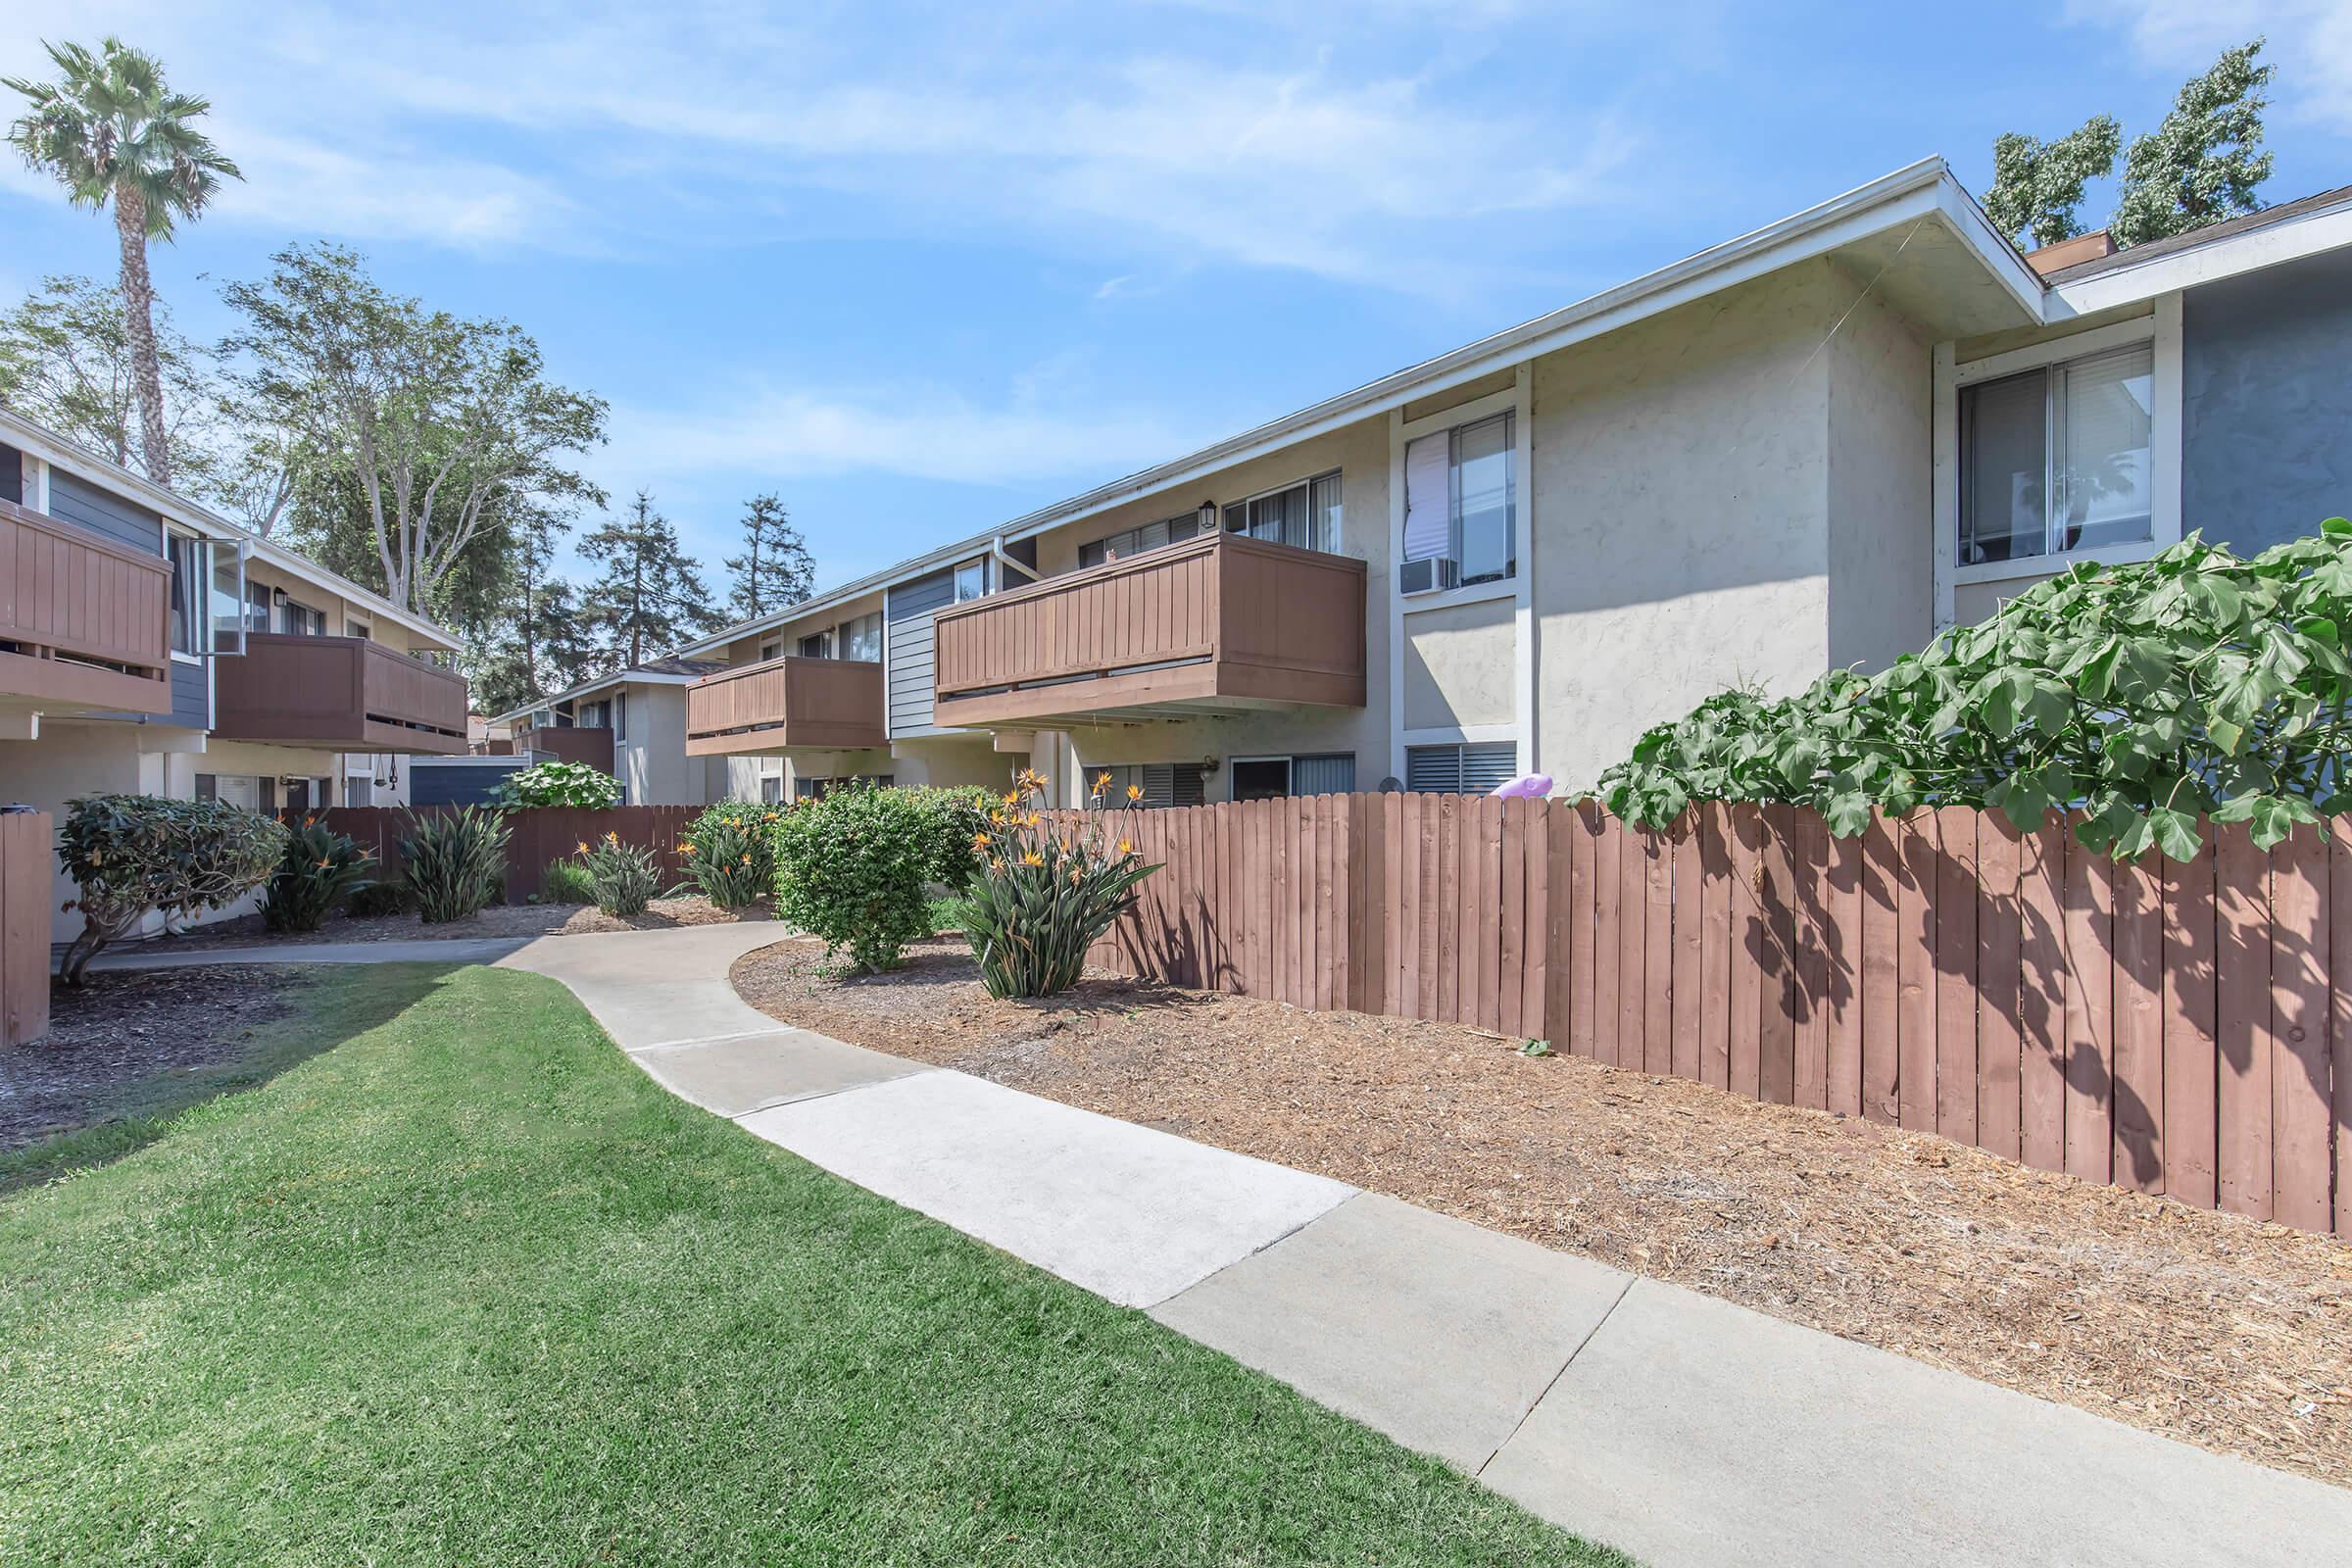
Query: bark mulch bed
point(499, 920)
point(2224, 1332)
point(111, 1038)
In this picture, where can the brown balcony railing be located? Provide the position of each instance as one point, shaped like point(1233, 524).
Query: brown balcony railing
point(338, 694)
point(84, 622)
point(1214, 624)
point(788, 704)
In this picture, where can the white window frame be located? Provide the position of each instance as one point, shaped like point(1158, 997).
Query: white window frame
point(1517, 400)
point(770, 650)
point(1289, 773)
point(977, 565)
point(1306, 482)
point(2161, 330)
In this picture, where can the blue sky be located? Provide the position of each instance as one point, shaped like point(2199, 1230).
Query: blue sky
point(919, 270)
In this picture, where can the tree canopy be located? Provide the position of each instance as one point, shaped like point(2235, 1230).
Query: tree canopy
point(2144, 697)
point(651, 596)
point(776, 568)
point(435, 419)
point(2200, 166)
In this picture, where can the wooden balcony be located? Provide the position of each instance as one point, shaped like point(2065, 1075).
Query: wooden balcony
point(336, 694)
point(84, 622)
point(1221, 625)
point(785, 705)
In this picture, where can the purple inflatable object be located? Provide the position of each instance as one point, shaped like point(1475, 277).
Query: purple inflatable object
point(1528, 786)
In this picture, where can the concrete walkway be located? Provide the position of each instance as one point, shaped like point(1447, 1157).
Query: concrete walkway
point(1678, 1426)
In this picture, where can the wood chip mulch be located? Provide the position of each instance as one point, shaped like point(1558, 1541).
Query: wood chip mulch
point(2219, 1331)
point(108, 1037)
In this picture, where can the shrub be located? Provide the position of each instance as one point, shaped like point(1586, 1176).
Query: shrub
point(950, 817)
point(130, 853)
point(566, 882)
point(623, 877)
point(369, 901)
point(319, 867)
point(729, 853)
point(559, 784)
point(1042, 898)
point(454, 862)
point(851, 869)
point(2145, 696)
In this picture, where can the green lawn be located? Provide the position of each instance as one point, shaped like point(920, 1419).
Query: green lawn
point(469, 1287)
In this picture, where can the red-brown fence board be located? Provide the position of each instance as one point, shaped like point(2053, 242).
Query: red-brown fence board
point(535, 835)
point(2173, 1028)
point(27, 876)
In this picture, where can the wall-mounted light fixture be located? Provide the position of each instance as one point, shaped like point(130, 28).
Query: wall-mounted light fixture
point(1208, 516)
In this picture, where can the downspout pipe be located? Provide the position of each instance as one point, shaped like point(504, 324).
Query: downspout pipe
point(996, 550)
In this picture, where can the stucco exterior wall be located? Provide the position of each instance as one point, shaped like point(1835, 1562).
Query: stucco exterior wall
point(1881, 393)
point(69, 760)
point(1459, 665)
point(2267, 403)
point(1681, 493)
point(649, 756)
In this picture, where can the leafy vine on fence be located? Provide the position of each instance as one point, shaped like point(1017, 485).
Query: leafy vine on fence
point(2197, 683)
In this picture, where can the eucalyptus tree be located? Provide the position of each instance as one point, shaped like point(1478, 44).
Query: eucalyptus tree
point(111, 131)
point(433, 423)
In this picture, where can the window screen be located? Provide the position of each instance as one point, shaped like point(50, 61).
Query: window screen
point(2057, 458)
point(1306, 515)
point(1140, 540)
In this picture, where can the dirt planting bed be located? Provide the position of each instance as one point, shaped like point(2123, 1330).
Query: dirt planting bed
point(499, 920)
point(2224, 1332)
point(110, 1039)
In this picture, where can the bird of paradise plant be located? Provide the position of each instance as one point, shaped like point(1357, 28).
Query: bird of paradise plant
point(1046, 892)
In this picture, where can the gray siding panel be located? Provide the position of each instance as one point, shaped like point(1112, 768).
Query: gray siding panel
point(76, 500)
point(191, 696)
point(907, 612)
point(460, 784)
point(2266, 394)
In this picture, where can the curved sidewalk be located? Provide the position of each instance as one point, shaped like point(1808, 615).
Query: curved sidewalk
point(1678, 1426)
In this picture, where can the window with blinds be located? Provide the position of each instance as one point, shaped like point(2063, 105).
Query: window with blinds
point(2057, 458)
point(1140, 540)
point(1459, 499)
point(1466, 768)
point(1164, 784)
point(1306, 515)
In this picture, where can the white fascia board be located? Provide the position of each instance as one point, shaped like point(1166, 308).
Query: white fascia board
point(2290, 239)
point(1921, 190)
point(173, 506)
point(626, 677)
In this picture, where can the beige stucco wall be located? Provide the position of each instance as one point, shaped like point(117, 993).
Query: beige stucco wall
point(344, 618)
point(746, 650)
point(1460, 666)
point(1881, 379)
point(1680, 491)
point(71, 759)
point(649, 756)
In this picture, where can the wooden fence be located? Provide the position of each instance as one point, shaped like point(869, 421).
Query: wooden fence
point(2178, 1029)
point(536, 835)
point(28, 880)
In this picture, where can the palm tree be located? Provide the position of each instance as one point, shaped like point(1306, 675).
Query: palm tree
point(112, 130)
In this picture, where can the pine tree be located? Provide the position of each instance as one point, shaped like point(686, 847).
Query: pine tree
point(651, 596)
point(2200, 166)
point(776, 568)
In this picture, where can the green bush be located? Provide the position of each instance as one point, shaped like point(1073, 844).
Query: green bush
point(851, 869)
point(729, 853)
point(130, 854)
point(566, 882)
point(2144, 696)
point(1041, 897)
point(950, 817)
point(623, 877)
point(319, 868)
point(371, 900)
point(454, 862)
point(559, 784)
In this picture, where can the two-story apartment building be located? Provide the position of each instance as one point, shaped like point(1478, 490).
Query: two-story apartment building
point(1807, 447)
point(632, 724)
point(149, 646)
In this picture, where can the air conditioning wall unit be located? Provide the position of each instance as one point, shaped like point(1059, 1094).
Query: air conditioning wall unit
point(1428, 575)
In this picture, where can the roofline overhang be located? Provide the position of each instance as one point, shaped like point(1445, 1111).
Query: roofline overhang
point(1924, 191)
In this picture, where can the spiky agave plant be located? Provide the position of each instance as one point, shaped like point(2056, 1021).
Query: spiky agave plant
point(454, 863)
point(1043, 896)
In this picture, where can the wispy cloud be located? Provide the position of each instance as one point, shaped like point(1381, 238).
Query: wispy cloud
point(2309, 41)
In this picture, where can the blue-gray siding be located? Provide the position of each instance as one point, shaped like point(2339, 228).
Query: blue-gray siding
point(908, 613)
point(2266, 394)
point(191, 696)
point(467, 783)
point(77, 501)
